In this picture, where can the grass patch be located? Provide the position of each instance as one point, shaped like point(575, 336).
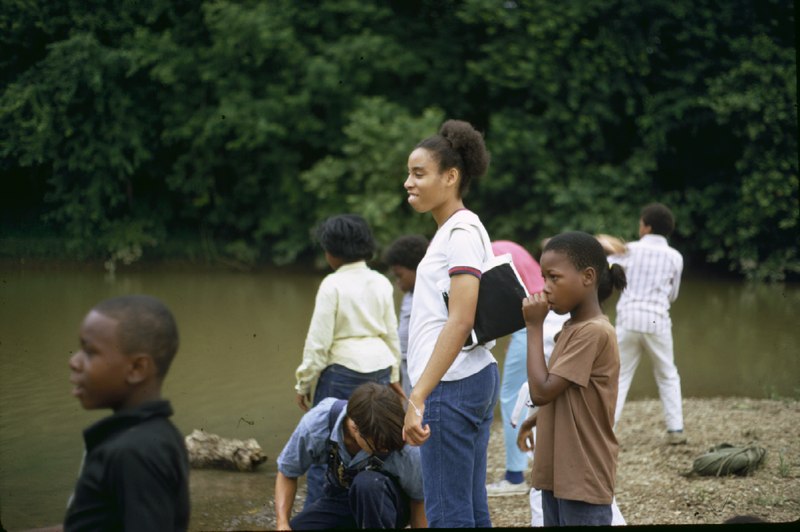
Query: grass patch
point(784, 468)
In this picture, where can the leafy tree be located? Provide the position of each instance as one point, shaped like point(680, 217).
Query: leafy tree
point(131, 129)
point(607, 105)
point(58, 125)
point(367, 177)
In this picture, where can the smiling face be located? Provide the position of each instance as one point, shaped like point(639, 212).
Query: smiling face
point(99, 369)
point(430, 190)
point(564, 286)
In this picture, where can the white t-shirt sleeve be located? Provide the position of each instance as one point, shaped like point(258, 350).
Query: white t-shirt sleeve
point(465, 251)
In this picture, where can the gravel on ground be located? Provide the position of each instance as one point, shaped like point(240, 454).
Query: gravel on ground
point(654, 484)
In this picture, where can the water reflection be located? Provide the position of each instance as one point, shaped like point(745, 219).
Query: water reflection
point(737, 339)
point(242, 338)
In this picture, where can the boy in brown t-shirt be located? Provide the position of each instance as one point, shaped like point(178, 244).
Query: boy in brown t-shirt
point(576, 450)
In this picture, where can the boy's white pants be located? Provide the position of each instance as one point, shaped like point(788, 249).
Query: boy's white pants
point(537, 518)
point(659, 347)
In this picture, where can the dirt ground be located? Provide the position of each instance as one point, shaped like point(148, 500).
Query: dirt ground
point(652, 482)
point(653, 485)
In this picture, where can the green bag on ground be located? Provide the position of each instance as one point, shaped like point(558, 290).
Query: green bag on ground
point(725, 459)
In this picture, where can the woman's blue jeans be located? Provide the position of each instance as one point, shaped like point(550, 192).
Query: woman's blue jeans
point(460, 415)
point(339, 382)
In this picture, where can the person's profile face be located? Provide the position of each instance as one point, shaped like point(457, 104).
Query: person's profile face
point(427, 187)
point(563, 284)
point(405, 277)
point(99, 369)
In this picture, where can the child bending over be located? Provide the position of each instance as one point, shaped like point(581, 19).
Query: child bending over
point(373, 480)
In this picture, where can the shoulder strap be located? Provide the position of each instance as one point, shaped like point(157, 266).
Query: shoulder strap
point(334, 412)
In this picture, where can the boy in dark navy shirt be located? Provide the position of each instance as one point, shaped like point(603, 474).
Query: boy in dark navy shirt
point(135, 471)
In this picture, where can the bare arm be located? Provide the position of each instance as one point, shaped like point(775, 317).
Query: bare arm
point(285, 492)
point(303, 401)
point(544, 387)
point(417, 518)
point(461, 318)
point(525, 435)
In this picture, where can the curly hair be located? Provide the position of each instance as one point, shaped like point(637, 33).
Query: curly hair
point(406, 251)
point(659, 218)
point(584, 251)
point(459, 145)
point(145, 325)
point(378, 413)
point(346, 236)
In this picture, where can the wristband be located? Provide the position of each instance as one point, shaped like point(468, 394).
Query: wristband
point(416, 410)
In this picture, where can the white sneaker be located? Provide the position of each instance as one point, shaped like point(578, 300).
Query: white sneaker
point(505, 488)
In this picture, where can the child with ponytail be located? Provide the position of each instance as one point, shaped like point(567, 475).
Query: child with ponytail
point(576, 451)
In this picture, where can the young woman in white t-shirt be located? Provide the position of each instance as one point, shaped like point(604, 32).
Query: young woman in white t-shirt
point(455, 390)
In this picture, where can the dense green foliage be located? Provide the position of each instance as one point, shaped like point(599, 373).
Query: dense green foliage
point(128, 126)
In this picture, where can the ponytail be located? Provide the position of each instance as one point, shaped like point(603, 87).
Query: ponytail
point(612, 278)
point(459, 145)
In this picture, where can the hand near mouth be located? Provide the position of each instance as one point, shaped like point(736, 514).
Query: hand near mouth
point(535, 308)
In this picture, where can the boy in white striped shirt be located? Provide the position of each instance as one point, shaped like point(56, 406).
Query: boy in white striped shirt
point(643, 324)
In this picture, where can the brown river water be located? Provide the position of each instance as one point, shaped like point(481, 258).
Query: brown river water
point(241, 340)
